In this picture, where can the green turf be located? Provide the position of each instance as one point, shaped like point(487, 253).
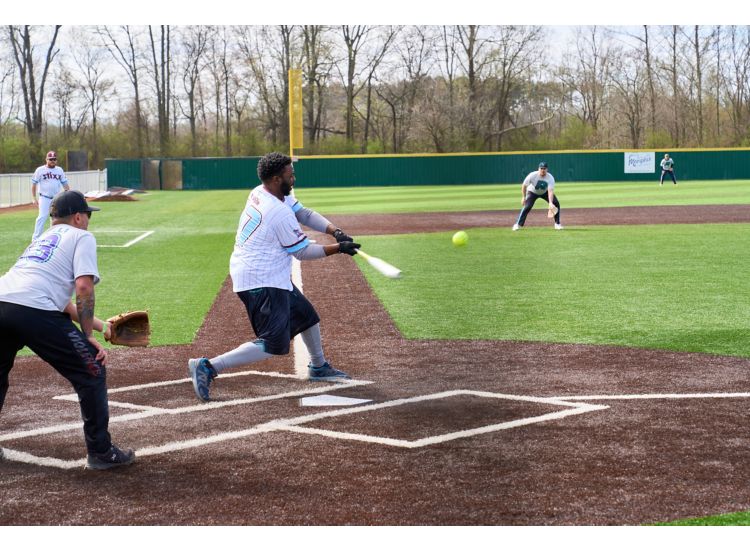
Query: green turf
point(365, 200)
point(174, 273)
point(675, 287)
point(738, 518)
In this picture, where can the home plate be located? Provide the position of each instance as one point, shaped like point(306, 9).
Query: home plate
point(331, 401)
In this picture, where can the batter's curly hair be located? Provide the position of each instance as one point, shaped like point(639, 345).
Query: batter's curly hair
point(272, 164)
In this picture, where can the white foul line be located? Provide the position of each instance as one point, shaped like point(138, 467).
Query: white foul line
point(142, 236)
point(653, 396)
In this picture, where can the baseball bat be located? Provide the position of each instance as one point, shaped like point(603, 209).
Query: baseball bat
point(384, 268)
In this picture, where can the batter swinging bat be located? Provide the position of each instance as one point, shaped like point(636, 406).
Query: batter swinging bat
point(383, 267)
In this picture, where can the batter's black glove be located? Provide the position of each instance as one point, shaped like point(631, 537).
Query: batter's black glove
point(348, 247)
point(342, 237)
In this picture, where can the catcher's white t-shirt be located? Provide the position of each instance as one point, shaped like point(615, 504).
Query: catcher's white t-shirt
point(45, 274)
point(49, 181)
point(267, 235)
point(537, 184)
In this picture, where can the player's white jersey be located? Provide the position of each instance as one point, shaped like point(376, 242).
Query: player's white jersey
point(267, 235)
point(534, 183)
point(49, 181)
point(666, 164)
point(44, 276)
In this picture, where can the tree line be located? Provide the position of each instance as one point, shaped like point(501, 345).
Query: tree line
point(180, 91)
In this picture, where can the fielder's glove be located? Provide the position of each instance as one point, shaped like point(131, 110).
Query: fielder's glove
point(552, 211)
point(341, 237)
point(131, 328)
point(348, 247)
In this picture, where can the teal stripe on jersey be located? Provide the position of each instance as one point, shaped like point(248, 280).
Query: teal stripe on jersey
point(297, 246)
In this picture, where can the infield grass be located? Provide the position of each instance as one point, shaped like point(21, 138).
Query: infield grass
point(674, 287)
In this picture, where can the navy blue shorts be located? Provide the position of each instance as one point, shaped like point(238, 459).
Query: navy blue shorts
point(278, 315)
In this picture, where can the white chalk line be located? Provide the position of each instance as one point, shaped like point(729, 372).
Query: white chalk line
point(110, 391)
point(143, 235)
point(293, 424)
point(153, 411)
point(655, 396)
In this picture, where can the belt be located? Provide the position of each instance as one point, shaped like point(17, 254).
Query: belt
point(45, 196)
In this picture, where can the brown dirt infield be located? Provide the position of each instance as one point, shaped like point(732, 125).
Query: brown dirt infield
point(638, 461)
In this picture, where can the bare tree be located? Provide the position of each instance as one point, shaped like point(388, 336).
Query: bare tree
point(590, 74)
point(515, 53)
point(32, 82)
point(194, 41)
point(355, 37)
point(414, 50)
point(96, 88)
point(124, 50)
point(161, 67)
point(376, 53)
point(631, 84)
point(317, 64)
point(736, 79)
point(474, 59)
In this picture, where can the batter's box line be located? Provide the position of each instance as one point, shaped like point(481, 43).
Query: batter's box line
point(293, 425)
point(147, 412)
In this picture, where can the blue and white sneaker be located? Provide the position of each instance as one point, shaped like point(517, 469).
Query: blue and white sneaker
point(325, 373)
point(202, 373)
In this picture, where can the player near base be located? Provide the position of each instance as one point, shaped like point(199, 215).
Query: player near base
point(48, 180)
point(667, 167)
point(267, 237)
point(36, 311)
point(538, 184)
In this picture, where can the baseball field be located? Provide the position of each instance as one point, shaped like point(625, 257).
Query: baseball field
point(592, 376)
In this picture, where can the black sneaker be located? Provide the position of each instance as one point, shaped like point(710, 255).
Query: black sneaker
point(113, 458)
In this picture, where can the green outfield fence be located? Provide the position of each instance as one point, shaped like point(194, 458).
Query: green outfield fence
point(429, 169)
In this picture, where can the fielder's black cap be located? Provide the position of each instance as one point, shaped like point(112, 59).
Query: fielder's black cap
point(68, 203)
point(543, 165)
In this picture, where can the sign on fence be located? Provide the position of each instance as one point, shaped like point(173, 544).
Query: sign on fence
point(640, 163)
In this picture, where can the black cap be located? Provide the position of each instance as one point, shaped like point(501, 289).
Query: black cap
point(542, 164)
point(68, 203)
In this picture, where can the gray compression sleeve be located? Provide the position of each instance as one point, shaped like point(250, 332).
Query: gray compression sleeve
point(310, 252)
point(312, 219)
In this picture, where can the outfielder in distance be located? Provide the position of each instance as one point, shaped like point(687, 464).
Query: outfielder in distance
point(538, 184)
point(667, 167)
point(46, 182)
point(269, 234)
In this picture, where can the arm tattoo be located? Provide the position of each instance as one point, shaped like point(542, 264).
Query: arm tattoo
point(85, 308)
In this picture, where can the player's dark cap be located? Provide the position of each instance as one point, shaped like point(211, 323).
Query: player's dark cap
point(51, 155)
point(543, 165)
point(68, 203)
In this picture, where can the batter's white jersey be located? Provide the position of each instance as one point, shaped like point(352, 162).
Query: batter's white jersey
point(44, 276)
point(267, 235)
point(534, 183)
point(49, 181)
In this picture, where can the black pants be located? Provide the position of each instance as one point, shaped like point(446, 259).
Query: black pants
point(55, 339)
point(278, 315)
point(529, 204)
point(671, 175)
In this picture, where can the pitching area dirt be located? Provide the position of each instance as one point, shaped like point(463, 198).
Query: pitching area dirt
point(457, 433)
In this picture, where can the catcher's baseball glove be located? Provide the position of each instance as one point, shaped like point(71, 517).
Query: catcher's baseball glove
point(131, 328)
point(552, 211)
